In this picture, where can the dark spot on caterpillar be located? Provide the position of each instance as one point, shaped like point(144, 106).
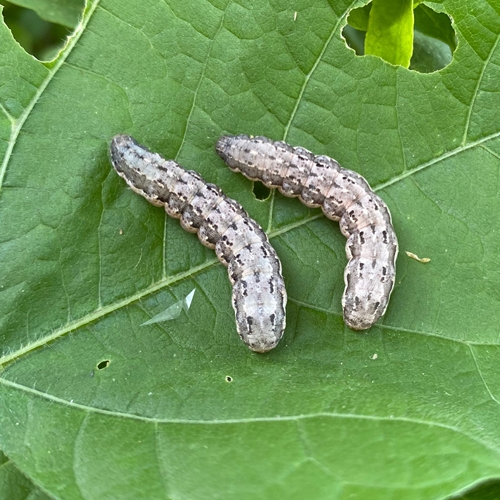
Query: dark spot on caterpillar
point(249, 323)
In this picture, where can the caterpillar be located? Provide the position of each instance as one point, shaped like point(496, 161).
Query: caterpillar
point(259, 296)
point(343, 195)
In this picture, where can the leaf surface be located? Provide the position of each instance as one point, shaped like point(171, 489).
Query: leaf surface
point(94, 406)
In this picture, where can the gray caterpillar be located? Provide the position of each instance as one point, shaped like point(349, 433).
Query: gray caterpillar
point(343, 195)
point(259, 296)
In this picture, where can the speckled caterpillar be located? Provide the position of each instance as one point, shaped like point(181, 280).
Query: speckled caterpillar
point(343, 195)
point(259, 296)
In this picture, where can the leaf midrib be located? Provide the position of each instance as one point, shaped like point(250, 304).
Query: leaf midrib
point(247, 420)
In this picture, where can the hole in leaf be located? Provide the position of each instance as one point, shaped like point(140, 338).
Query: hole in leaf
point(424, 40)
point(44, 32)
point(229, 379)
point(260, 191)
point(103, 364)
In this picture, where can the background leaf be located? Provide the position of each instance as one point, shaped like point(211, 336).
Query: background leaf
point(65, 12)
point(390, 31)
point(94, 406)
point(435, 25)
point(358, 18)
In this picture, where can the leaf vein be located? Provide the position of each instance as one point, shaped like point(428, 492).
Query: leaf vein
point(245, 420)
point(476, 90)
point(8, 115)
point(493, 398)
point(313, 69)
point(444, 156)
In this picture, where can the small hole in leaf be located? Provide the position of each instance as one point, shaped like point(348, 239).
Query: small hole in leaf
point(424, 42)
point(44, 32)
point(103, 364)
point(260, 191)
point(229, 379)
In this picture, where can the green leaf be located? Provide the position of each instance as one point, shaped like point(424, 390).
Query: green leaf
point(390, 31)
point(92, 405)
point(429, 54)
point(65, 12)
point(358, 18)
point(435, 25)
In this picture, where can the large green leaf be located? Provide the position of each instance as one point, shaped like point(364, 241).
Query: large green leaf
point(93, 405)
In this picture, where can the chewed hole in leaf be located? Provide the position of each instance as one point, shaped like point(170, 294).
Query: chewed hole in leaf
point(173, 311)
point(260, 191)
point(103, 364)
point(229, 378)
point(419, 38)
point(42, 33)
